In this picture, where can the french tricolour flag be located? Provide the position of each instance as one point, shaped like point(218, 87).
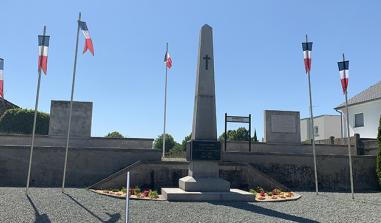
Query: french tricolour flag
point(1, 78)
point(168, 60)
point(43, 46)
point(86, 33)
point(307, 48)
point(344, 74)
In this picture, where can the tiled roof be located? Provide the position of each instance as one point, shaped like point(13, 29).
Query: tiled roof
point(370, 94)
point(5, 105)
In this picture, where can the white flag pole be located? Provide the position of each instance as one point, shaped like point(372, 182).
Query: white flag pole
point(165, 99)
point(348, 134)
point(312, 127)
point(35, 111)
point(127, 195)
point(71, 104)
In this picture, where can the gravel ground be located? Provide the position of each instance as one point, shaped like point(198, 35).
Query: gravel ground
point(81, 205)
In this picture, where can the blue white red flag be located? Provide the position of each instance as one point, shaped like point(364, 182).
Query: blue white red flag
point(1, 78)
point(43, 46)
point(307, 48)
point(168, 60)
point(88, 41)
point(344, 74)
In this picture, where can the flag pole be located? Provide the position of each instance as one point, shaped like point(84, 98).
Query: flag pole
point(312, 128)
point(348, 135)
point(71, 104)
point(35, 111)
point(165, 100)
point(127, 195)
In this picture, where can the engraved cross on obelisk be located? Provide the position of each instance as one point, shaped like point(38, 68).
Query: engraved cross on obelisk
point(206, 58)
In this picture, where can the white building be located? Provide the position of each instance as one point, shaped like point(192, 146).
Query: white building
point(364, 112)
point(325, 126)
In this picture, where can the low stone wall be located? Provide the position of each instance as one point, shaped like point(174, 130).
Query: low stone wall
point(287, 149)
point(296, 170)
point(96, 142)
point(85, 165)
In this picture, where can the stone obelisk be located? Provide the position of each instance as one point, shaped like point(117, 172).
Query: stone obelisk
point(204, 149)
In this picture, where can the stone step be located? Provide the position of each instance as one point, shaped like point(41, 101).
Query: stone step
point(177, 194)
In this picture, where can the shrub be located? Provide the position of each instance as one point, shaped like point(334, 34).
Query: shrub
point(114, 134)
point(153, 194)
point(378, 160)
point(21, 121)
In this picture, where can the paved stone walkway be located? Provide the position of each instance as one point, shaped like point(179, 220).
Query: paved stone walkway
point(80, 205)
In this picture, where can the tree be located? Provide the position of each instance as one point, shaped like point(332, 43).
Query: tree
point(114, 134)
point(185, 141)
point(378, 159)
point(239, 134)
point(20, 121)
point(255, 139)
point(169, 142)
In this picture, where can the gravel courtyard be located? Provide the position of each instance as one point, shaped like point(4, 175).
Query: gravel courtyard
point(80, 205)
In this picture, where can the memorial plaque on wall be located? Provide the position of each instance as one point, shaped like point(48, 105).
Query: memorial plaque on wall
point(204, 150)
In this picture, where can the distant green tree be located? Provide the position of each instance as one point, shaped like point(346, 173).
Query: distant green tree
point(114, 134)
point(20, 121)
point(255, 139)
point(378, 160)
point(185, 141)
point(169, 142)
point(239, 134)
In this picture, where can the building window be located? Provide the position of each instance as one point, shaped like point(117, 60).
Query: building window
point(359, 120)
point(316, 131)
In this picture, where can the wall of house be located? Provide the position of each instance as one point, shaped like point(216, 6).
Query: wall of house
point(328, 125)
point(372, 113)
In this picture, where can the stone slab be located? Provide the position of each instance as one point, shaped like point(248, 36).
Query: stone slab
point(199, 169)
point(177, 194)
point(282, 127)
point(216, 184)
point(80, 122)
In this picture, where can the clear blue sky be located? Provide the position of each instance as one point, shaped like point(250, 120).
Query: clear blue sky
point(258, 57)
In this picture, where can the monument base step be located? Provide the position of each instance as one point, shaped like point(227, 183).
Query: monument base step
point(177, 194)
point(204, 184)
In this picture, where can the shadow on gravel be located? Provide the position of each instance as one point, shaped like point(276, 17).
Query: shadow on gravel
point(39, 218)
point(264, 211)
point(113, 217)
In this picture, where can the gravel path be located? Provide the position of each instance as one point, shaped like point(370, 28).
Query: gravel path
point(80, 205)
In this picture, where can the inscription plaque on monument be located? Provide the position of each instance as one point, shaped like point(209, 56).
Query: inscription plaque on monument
point(203, 150)
point(283, 123)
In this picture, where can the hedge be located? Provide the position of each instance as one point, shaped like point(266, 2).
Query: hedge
point(21, 121)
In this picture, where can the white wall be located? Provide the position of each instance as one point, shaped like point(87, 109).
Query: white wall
point(371, 111)
point(328, 125)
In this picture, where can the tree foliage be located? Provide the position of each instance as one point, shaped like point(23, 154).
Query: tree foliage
point(114, 134)
point(169, 142)
point(239, 134)
point(255, 139)
point(20, 121)
point(378, 164)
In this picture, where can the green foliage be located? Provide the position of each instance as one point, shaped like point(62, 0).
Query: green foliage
point(239, 134)
point(114, 134)
point(169, 142)
point(185, 141)
point(255, 139)
point(153, 194)
point(378, 160)
point(137, 191)
point(21, 121)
